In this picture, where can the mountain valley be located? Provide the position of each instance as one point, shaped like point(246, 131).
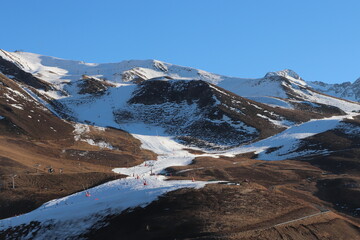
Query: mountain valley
point(144, 149)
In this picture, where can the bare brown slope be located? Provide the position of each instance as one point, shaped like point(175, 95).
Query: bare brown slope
point(34, 120)
point(265, 200)
point(33, 140)
point(76, 165)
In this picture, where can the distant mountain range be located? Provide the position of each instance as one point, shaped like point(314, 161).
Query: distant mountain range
point(346, 90)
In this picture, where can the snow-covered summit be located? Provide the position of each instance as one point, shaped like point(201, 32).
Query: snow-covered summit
point(284, 73)
point(57, 71)
point(288, 74)
point(64, 76)
point(60, 72)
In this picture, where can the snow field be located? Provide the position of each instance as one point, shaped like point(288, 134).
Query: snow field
point(284, 143)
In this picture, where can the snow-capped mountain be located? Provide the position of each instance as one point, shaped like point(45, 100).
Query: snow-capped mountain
point(194, 105)
point(165, 107)
point(346, 90)
point(54, 75)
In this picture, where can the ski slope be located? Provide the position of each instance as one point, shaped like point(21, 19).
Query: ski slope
point(75, 214)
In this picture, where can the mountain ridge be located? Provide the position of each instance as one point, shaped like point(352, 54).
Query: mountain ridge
point(60, 73)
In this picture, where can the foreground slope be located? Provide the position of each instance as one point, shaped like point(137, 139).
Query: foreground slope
point(275, 202)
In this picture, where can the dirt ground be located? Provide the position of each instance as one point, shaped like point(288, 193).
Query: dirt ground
point(75, 166)
point(262, 200)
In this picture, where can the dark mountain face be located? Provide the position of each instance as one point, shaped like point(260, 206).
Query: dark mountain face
point(190, 110)
point(31, 118)
point(205, 115)
point(90, 85)
point(202, 114)
point(160, 92)
point(10, 69)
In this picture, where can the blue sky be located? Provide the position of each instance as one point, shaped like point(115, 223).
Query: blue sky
point(320, 39)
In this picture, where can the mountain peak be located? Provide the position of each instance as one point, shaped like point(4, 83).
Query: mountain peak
point(284, 73)
point(288, 74)
point(357, 82)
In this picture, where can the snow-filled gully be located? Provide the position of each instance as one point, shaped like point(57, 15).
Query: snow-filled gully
point(72, 215)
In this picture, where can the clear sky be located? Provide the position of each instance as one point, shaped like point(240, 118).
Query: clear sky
point(319, 39)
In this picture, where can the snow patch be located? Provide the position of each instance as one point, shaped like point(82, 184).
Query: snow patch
point(10, 97)
point(283, 145)
point(18, 106)
point(100, 144)
point(272, 101)
point(280, 123)
point(80, 129)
